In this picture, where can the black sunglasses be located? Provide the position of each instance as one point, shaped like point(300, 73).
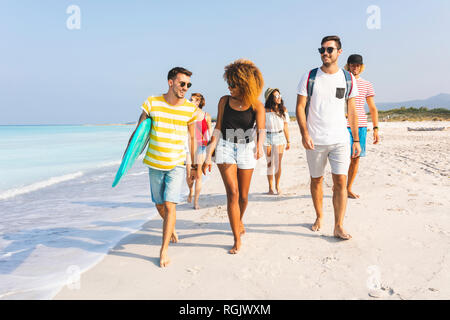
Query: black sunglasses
point(182, 84)
point(328, 49)
point(232, 85)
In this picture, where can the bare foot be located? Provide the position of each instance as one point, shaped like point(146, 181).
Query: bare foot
point(163, 259)
point(174, 237)
point(352, 195)
point(196, 206)
point(236, 247)
point(271, 191)
point(316, 226)
point(242, 229)
point(189, 198)
point(341, 234)
point(279, 191)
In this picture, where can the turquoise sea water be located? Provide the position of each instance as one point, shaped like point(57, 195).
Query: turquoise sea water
point(59, 213)
point(35, 154)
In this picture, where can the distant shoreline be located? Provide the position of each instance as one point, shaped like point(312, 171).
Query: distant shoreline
point(68, 125)
point(109, 124)
point(394, 115)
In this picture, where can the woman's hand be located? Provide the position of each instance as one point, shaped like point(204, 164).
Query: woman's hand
point(259, 152)
point(288, 146)
point(206, 165)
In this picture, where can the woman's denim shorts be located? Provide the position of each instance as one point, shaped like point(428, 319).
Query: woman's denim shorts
point(241, 154)
point(275, 139)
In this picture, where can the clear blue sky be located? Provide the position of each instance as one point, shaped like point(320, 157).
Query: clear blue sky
point(103, 72)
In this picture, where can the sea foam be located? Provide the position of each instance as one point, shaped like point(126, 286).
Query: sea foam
point(39, 185)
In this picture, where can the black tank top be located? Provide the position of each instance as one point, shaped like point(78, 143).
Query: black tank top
point(237, 125)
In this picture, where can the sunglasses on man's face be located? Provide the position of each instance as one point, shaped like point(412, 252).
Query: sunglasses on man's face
point(232, 85)
point(182, 84)
point(327, 49)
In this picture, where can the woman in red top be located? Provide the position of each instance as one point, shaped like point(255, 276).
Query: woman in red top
point(202, 135)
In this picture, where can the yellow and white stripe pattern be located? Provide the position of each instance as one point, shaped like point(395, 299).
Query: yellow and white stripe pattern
point(169, 132)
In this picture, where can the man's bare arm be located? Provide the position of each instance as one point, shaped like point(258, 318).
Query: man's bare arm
point(301, 120)
point(374, 115)
point(353, 121)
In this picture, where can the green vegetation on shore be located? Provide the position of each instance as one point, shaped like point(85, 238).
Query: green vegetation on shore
point(407, 114)
point(413, 114)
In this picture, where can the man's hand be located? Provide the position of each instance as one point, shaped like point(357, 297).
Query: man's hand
point(356, 150)
point(307, 142)
point(288, 145)
point(376, 137)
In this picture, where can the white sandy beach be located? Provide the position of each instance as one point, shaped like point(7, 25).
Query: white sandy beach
point(400, 228)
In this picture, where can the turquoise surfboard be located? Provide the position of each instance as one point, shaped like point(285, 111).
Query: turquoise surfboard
point(134, 149)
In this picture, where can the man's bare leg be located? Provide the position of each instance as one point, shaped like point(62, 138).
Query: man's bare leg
point(340, 204)
point(168, 231)
point(317, 197)
point(162, 212)
point(352, 170)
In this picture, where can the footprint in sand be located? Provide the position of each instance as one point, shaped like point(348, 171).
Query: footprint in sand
point(295, 259)
point(185, 284)
point(329, 260)
point(194, 270)
point(384, 291)
point(436, 229)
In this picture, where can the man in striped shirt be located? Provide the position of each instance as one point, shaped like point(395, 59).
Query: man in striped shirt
point(173, 119)
point(366, 93)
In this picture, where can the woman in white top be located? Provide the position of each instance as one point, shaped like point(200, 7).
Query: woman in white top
point(277, 136)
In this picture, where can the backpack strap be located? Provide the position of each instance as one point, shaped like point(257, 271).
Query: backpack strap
point(349, 83)
point(309, 87)
point(349, 88)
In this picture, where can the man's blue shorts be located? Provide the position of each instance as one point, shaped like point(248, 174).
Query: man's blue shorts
point(165, 185)
point(362, 133)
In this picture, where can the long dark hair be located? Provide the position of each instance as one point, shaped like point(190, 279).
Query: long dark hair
point(272, 106)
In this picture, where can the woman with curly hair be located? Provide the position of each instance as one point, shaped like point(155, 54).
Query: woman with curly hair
point(233, 139)
point(277, 136)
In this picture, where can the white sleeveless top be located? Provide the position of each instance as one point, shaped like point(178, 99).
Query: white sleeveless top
point(275, 123)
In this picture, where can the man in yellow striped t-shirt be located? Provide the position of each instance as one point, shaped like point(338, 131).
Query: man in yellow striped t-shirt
point(173, 119)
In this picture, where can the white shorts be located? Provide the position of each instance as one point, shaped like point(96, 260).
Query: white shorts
point(337, 154)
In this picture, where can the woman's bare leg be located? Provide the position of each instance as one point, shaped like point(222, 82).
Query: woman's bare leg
point(198, 181)
point(244, 180)
point(230, 180)
point(278, 157)
point(268, 152)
